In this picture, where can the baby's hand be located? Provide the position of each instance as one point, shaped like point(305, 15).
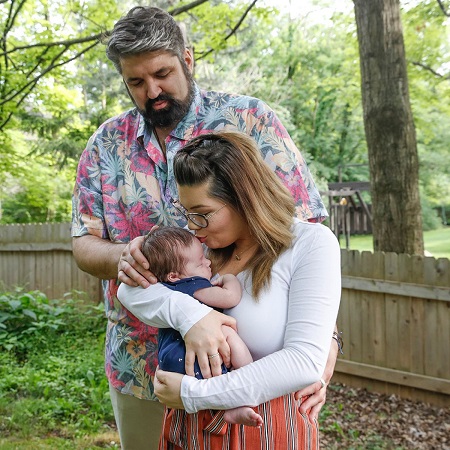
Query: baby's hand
point(217, 281)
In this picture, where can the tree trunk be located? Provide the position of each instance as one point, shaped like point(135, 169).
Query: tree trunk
point(389, 127)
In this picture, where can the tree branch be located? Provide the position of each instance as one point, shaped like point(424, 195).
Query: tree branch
point(12, 17)
point(234, 29)
point(430, 69)
point(68, 42)
point(447, 13)
point(173, 12)
point(38, 77)
point(185, 8)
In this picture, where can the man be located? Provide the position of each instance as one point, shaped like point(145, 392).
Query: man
point(125, 186)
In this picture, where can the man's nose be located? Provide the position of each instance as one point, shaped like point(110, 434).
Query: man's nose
point(153, 90)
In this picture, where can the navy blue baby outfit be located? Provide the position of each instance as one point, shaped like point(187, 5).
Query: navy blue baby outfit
point(171, 348)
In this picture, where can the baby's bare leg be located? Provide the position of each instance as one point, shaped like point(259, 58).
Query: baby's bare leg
point(240, 355)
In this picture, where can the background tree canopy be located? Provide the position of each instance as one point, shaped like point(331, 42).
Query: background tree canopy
point(57, 87)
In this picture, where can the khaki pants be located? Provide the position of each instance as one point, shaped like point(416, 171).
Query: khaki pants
point(139, 422)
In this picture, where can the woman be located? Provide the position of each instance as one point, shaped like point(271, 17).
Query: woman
point(290, 273)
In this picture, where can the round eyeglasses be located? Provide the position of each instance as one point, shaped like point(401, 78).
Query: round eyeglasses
point(201, 220)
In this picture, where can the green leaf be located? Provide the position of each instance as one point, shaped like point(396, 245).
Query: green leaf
point(29, 313)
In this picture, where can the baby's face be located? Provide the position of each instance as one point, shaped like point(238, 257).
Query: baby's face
point(197, 265)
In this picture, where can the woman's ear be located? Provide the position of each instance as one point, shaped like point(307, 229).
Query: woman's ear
point(173, 276)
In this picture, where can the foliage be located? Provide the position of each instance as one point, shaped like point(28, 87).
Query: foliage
point(306, 70)
point(427, 40)
point(29, 320)
point(51, 365)
point(38, 190)
point(308, 73)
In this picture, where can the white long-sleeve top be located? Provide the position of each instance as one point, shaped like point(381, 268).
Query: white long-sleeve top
point(288, 329)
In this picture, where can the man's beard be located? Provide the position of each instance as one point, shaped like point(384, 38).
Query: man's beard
point(172, 113)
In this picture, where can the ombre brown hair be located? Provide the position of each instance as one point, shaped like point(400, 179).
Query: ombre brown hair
point(237, 175)
point(163, 249)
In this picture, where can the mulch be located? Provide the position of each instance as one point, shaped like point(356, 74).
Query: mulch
point(358, 419)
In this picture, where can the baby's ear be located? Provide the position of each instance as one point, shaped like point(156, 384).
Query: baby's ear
point(173, 276)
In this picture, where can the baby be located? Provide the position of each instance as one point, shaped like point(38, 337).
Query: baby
point(176, 258)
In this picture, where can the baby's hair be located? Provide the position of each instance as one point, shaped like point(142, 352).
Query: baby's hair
point(162, 248)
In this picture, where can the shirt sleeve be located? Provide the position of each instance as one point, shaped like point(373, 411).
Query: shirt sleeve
point(87, 199)
point(314, 298)
point(162, 307)
point(282, 155)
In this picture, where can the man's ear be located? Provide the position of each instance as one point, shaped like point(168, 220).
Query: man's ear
point(173, 276)
point(189, 59)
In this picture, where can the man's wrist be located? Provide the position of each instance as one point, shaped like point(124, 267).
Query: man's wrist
point(337, 336)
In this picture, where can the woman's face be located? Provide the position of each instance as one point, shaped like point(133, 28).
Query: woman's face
point(224, 228)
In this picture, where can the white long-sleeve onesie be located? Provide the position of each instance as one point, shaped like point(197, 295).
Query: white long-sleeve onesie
point(288, 330)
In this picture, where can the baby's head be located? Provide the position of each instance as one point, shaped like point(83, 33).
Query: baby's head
point(175, 253)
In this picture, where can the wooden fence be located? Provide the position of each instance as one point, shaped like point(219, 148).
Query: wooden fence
point(395, 314)
point(395, 309)
point(39, 256)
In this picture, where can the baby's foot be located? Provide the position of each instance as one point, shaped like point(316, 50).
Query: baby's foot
point(243, 416)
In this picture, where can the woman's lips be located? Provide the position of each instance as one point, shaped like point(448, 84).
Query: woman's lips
point(202, 239)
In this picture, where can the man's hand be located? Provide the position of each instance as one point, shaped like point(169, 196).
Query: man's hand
point(133, 266)
point(206, 341)
point(167, 387)
point(314, 396)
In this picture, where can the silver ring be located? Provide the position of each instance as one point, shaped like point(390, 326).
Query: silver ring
point(213, 356)
point(322, 382)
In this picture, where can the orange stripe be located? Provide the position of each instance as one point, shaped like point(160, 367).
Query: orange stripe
point(284, 429)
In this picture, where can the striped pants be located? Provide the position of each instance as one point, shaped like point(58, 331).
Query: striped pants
point(284, 429)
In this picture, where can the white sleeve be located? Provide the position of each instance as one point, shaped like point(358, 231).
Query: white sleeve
point(162, 307)
point(314, 297)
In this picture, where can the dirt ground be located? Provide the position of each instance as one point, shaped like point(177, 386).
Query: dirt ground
point(357, 419)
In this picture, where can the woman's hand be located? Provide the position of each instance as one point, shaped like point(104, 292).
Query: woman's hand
point(206, 341)
point(133, 266)
point(167, 387)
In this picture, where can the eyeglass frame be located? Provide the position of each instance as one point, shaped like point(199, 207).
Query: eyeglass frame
point(188, 216)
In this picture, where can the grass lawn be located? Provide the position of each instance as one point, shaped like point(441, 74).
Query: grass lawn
point(437, 242)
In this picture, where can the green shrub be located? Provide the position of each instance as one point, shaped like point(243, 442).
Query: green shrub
point(29, 320)
point(51, 366)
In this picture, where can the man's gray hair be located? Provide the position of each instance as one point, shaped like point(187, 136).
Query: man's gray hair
point(144, 29)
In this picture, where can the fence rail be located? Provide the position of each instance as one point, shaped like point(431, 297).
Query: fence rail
point(395, 309)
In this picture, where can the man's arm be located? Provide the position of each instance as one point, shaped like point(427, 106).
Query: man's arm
point(97, 256)
point(314, 396)
point(225, 294)
point(106, 260)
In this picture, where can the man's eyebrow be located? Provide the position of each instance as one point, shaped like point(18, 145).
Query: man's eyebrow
point(131, 79)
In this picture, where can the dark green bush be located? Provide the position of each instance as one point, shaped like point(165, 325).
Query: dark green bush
point(51, 365)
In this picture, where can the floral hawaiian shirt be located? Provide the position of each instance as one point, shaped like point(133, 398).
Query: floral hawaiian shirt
point(125, 184)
